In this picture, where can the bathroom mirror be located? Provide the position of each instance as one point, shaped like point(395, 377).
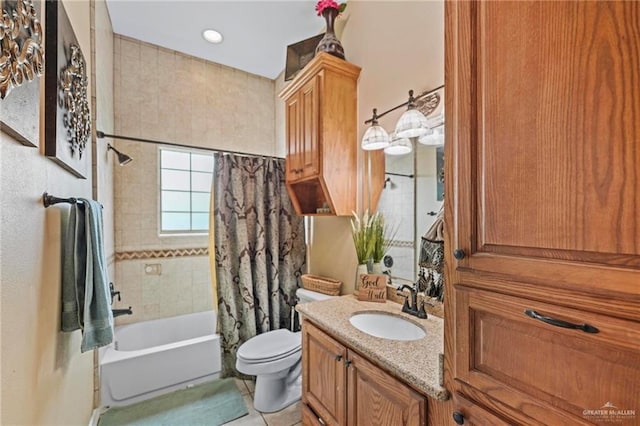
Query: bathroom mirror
point(412, 196)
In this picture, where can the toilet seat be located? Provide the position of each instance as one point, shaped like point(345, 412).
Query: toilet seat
point(270, 346)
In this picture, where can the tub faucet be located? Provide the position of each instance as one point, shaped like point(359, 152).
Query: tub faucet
point(413, 308)
point(114, 293)
point(118, 312)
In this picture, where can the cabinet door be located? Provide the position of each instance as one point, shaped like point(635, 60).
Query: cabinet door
point(323, 375)
point(543, 205)
point(543, 106)
point(309, 418)
point(309, 147)
point(378, 399)
point(294, 137)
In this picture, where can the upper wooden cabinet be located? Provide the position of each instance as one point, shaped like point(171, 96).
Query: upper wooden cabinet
point(321, 132)
point(543, 208)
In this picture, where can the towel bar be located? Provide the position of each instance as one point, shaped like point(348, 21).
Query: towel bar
point(49, 200)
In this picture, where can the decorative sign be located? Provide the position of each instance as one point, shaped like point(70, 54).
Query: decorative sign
point(67, 114)
point(372, 288)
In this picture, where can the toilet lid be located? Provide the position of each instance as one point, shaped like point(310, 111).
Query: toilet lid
point(270, 346)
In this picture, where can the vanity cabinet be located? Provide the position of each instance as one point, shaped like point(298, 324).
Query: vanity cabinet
point(341, 387)
point(321, 138)
point(542, 304)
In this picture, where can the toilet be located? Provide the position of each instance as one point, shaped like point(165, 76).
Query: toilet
point(275, 358)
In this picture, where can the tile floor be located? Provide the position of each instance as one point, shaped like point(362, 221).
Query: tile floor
point(290, 416)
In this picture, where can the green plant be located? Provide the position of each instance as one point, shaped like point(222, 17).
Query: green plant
point(382, 236)
point(362, 232)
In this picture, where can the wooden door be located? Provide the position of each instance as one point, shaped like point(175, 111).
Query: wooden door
point(543, 203)
point(377, 399)
point(323, 375)
point(293, 136)
point(309, 147)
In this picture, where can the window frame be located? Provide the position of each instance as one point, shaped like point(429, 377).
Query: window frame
point(182, 232)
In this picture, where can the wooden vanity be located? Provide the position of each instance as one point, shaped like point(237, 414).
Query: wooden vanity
point(352, 378)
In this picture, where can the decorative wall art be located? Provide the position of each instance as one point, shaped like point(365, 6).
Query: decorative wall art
point(21, 63)
point(67, 114)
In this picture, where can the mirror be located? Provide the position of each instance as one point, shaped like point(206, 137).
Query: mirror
point(412, 196)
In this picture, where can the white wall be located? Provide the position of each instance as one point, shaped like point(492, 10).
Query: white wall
point(45, 379)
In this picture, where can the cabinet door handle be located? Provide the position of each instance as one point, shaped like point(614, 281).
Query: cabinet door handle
point(338, 357)
point(459, 254)
point(560, 323)
point(458, 418)
point(347, 363)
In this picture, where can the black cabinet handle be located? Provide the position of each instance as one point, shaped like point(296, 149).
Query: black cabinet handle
point(559, 323)
point(458, 254)
point(347, 363)
point(338, 357)
point(458, 418)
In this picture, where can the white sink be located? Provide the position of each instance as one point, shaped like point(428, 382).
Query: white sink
point(386, 326)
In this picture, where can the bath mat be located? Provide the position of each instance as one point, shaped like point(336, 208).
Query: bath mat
point(211, 404)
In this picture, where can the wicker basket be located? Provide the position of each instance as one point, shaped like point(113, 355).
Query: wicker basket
point(321, 284)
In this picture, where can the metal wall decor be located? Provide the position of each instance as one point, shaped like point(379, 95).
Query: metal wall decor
point(21, 62)
point(428, 104)
point(67, 113)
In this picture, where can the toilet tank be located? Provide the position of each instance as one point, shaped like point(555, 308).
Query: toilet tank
point(305, 296)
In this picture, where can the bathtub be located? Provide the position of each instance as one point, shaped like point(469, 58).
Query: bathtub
point(154, 357)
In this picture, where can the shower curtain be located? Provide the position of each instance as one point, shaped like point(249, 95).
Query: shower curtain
point(259, 250)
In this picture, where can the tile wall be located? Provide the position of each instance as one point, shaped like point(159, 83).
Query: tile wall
point(169, 96)
point(399, 207)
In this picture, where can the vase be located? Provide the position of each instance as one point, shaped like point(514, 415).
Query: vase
point(362, 269)
point(376, 268)
point(330, 42)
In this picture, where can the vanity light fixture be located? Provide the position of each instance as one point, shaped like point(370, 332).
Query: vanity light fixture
point(375, 137)
point(212, 36)
point(434, 138)
point(398, 146)
point(412, 123)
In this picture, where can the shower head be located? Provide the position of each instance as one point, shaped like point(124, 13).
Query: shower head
point(122, 158)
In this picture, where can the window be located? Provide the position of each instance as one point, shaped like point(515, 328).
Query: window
point(185, 191)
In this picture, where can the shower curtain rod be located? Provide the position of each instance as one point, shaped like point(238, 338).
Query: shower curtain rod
point(102, 135)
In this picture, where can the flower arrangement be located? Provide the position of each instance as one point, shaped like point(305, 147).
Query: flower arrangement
point(324, 4)
point(362, 232)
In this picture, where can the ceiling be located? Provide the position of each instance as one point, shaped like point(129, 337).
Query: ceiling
point(256, 33)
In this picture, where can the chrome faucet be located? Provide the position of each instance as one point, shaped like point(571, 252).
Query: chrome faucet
point(413, 308)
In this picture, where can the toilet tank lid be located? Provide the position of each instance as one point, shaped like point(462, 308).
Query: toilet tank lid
point(305, 295)
point(270, 345)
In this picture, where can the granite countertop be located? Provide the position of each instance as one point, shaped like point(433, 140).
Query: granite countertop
point(415, 362)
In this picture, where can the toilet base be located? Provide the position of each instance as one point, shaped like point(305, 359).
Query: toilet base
point(276, 391)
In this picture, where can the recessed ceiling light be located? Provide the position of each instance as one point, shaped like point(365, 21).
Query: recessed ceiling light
point(212, 36)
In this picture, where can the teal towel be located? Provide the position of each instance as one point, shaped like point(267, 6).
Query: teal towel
point(86, 300)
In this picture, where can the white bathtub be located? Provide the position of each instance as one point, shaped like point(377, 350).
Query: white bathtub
point(151, 358)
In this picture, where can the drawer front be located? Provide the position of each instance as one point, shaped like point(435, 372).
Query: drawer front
point(472, 414)
point(547, 372)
